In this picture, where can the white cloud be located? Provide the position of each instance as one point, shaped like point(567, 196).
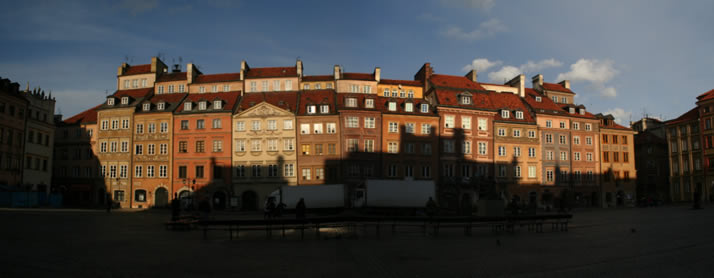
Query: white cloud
point(480, 65)
point(473, 4)
point(609, 92)
point(621, 116)
point(485, 29)
point(504, 74)
point(531, 66)
point(594, 71)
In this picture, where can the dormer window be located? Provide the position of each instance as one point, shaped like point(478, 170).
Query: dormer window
point(110, 101)
point(555, 99)
point(217, 104)
point(572, 110)
point(465, 99)
point(306, 87)
point(324, 109)
point(538, 99)
point(392, 106)
point(351, 102)
point(125, 100)
point(409, 107)
point(202, 105)
point(146, 106)
point(161, 106)
point(187, 106)
point(505, 114)
point(519, 115)
point(311, 109)
point(369, 103)
point(582, 111)
point(424, 108)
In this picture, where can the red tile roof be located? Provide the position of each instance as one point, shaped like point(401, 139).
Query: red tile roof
point(134, 93)
point(341, 99)
point(230, 99)
point(456, 82)
point(512, 103)
point(171, 98)
point(691, 115)
point(556, 87)
point(284, 100)
point(318, 78)
point(706, 96)
point(479, 100)
point(88, 116)
point(400, 82)
point(566, 109)
point(271, 72)
point(137, 69)
point(221, 77)
point(172, 76)
point(545, 104)
point(358, 76)
point(316, 97)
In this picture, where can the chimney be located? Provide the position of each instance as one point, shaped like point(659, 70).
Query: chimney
point(520, 83)
point(565, 83)
point(191, 72)
point(537, 82)
point(472, 75)
point(377, 74)
point(424, 73)
point(176, 68)
point(122, 69)
point(243, 68)
point(337, 71)
point(157, 66)
point(298, 65)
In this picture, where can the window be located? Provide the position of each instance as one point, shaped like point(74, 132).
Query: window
point(151, 149)
point(501, 132)
point(505, 114)
point(124, 146)
point(425, 129)
point(331, 128)
point(311, 109)
point(187, 106)
point(288, 145)
point(317, 128)
point(318, 149)
point(276, 85)
point(466, 122)
point(164, 127)
point(306, 174)
point(562, 139)
point(605, 156)
point(324, 109)
point(426, 149)
point(139, 149)
point(200, 124)
point(199, 171)
point(240, 145)
point(255, 145)
point(255, 125)
point(123, 171)
point(465, 99)
point(217, 146)
point(449, 121)
point(409, 107)
point(200, 146)
point(392, 147)
point(410, 148)
point(171, 89)
point(588, 127)
point(163, 149)
point(369, 145)
point(217, 104)
point(531, 134)
point(163, 172)
point(119, 195)
point(549, 175)
point(576, 156)
point(538, 99)
point(516, 133)
point(576, 126)
point(548, 123)
point(367, 89)
point(253, 86)
point(184, 124)
point(393, 127)
point(531, 152)
point(563, 156)
point(146, 106)
point(103, 147)
point(576, 140)
point(369, 103)
point(562, 124)
point(304, 128)
point(392, 106)
point(369, 122)
point(409, 128)
point(614, 139)
point(125, 100)
point(448, 146)
point(152, 128)
point(482, 124)
point(272, 125)
point(138, 171)
point(182, 172)
point(264, 86)
point(517, 171)
point(150, 171)
point(181, 88)
point(288, 85)
point(201, 89)
point(466, 147)
point(625, 157)
point(588, 140)
point(589, 156)
point(350, 102)
point(202, 105)
point(424, 108)
point(501, 151)
point(331, 149)
point(482, 148)
point(426, 171)
point(306, 149)
point(288, 170)
point(105, 125)
point(615, 156)
point(549, 155)
point(502, 170)
point(353, 122)
point(139, 128)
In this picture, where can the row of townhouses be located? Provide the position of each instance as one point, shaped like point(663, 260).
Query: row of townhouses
point(27, 133)
point(236, 137)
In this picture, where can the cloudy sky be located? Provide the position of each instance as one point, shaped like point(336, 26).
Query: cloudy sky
point(622, 57)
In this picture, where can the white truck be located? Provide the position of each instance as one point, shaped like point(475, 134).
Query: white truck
point(396, 194)
point(316, 196)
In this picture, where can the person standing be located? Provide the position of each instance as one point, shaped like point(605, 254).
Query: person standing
point(175, 207)
point(300, 209)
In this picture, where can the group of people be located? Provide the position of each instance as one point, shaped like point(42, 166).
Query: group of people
point(273, 210)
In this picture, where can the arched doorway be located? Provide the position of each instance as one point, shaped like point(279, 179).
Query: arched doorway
point(219, 200)
point(185, 198)
point(249, 201)
point(161, 197)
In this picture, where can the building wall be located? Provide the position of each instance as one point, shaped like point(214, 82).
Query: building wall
point(270, 85)
point(344, 86)
point(524, 184)
point(618, 176)
point(195, 88)
point(356, 165)
point(76, 168)
point(39, 142)
point(312, 85)
point(326, 161)
point(175, 85)
point(417, 90)
point(263, 158)
point(12, 127)
point(117, 184)
point(684, 179)
point(410, 152)
point(479, 164)
point(149, 77)
point(143, 181)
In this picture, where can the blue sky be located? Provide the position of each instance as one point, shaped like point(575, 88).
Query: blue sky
point(622, 57)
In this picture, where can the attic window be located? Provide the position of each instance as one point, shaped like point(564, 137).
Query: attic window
point(582, 111)
point(505, 114)
point(217, 104)
point(409, 107)
point(392, 106)
point(324, 109)
point(538, 99)
point(424, 108)
point(351, 102)
point(187, 106)
point(572, 110)
point(465, 99)
point(161, 106)
point(125, 100)
point(110, 101)
point(146, 106)
point(519, 115)
point(202, 105)
point(369, 103)
point(311, 109)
